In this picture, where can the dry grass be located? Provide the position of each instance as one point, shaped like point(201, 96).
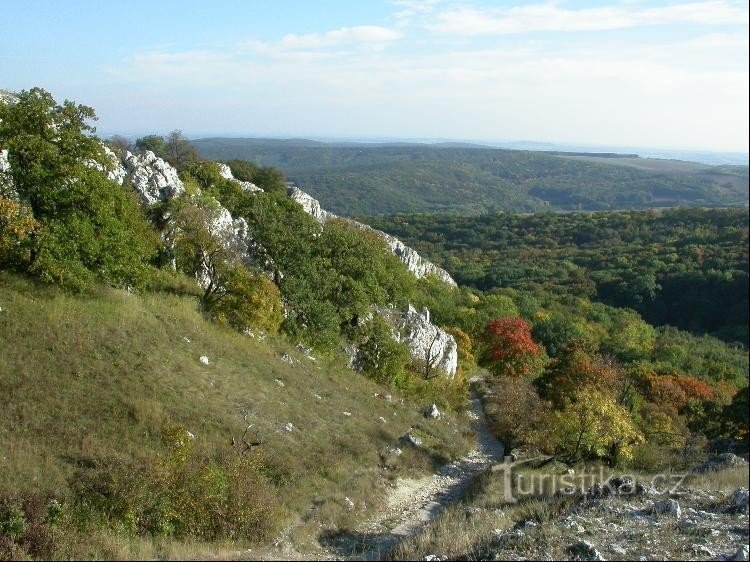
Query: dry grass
point(83, 376)
point(721, 481)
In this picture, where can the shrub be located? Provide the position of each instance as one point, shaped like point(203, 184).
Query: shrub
point(17, 225)
point(380, 356)
point(250, 301)
point(180, 493)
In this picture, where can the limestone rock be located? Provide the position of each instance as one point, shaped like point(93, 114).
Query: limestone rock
point(721, 462)
point(152, 178)
point(410, 439)
point(668, 507)
point(432, 412)
point(427, 342)
point(739, 500)
point(7, 189)
point(584, 550)
point(226, 173)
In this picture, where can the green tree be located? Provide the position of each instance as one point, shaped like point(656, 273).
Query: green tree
point(154, 143)
point(380, 356)
point(89, 227)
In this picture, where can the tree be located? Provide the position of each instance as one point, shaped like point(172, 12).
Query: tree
point(17, 225)
point(509, 349)
point(577, 366)
point(379, 355)
point(179, 151)
point(594, 426)
point(89, 227)
point(154, 143)
point(516, 414)
point(119, 144)
point(205, 247)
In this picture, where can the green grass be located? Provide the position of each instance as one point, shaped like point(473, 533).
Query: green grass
point(83, 376)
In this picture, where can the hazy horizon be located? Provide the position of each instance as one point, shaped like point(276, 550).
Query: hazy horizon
point(618, 73)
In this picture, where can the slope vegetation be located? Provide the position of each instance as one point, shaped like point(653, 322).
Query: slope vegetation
point(99, 376)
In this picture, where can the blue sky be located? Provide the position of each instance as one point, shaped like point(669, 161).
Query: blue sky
point(634, 73)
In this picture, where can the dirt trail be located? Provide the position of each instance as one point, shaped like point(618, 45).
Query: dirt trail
point(412, 504)
point(415, 503)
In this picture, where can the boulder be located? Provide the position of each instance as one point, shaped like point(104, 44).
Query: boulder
point(738, 501)
point(584, 550)
point(668, 507)
point(721, 462)
point(409, 439)
point(432, 412)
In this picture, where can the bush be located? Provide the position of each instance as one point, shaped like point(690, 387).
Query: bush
point(251, 301)
point(16, 227)
point(380, 356)
point(181, 493)
point(27, 526)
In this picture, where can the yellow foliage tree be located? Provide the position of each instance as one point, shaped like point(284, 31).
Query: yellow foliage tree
point(594, 426)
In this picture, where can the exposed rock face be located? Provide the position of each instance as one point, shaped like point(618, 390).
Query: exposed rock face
point(226, 173)
point(310, 205)
point(153, 178)
point(427, 342)
point(415, 263)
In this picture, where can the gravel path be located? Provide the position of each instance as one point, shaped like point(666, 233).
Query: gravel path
point(415, 503)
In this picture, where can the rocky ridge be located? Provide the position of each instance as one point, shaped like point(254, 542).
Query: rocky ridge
point(415, 263)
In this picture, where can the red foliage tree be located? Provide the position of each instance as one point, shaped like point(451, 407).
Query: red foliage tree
point(510, 351)
point(675, 391)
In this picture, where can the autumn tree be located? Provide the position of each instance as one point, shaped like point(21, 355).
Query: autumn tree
point(516, 414)
point(16, 226)
point(509, 349)
point(594, 426)
point(578, 366)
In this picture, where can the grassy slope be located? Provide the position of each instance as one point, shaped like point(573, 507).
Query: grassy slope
point(81, 375)
point(353, 180)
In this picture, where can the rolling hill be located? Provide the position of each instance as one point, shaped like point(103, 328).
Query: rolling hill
point(362, 178)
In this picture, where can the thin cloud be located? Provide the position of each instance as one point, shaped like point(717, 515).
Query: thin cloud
point(551, 17)
point(361, 34)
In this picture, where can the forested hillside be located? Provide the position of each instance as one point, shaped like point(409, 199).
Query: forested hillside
point(192, 356)
point(384, 179)
point(683, 267)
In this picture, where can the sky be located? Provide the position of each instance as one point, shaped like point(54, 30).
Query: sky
point(670, 74)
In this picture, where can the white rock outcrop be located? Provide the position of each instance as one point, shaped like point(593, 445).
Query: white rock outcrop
point(7, 188)
point(152, 178)
point(428, 343)
point(431, 348)
point(415, 263)
point(226, 173)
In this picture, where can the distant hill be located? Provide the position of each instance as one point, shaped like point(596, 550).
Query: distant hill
point(383, 178)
